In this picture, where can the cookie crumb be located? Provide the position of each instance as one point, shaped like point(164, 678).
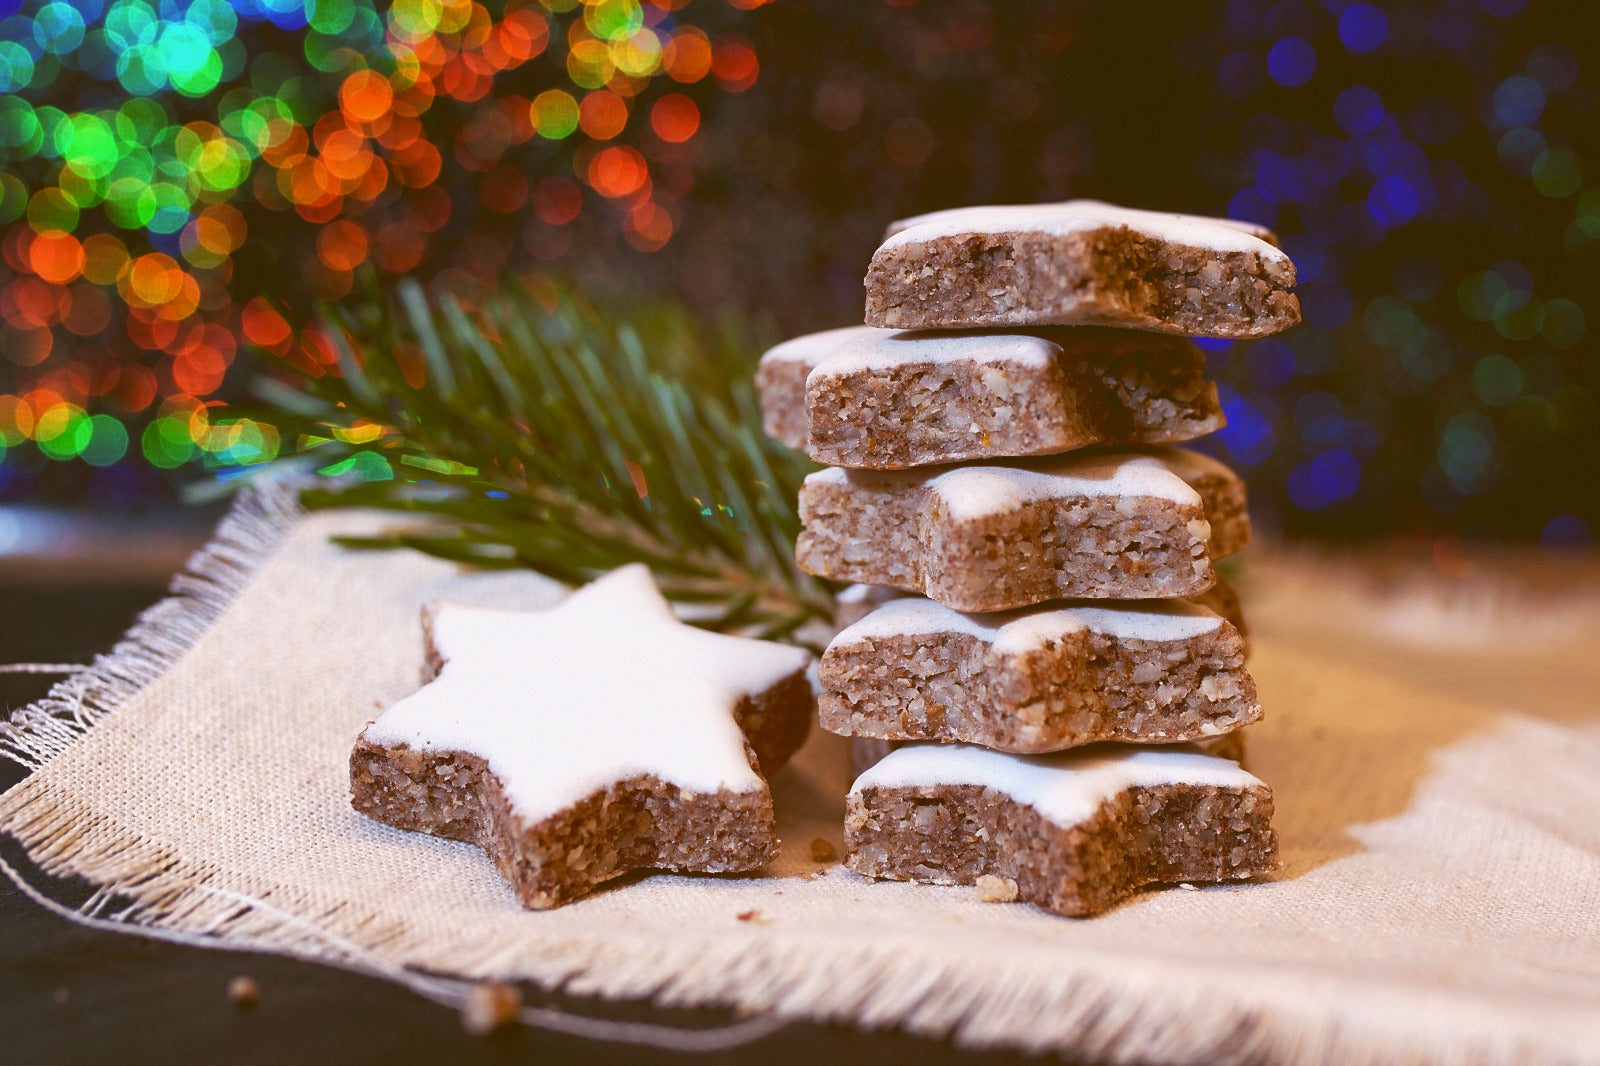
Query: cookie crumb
point(823, 851)
point(489, 1006)
point(749, 916)
point(992, 889)
point(244, 992)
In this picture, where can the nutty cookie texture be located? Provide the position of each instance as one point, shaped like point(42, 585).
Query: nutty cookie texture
point(886, 399)
point(1038, 680)
point(1081, 262)
point(1111, 525)
point(1076, 832)
point(580, 743)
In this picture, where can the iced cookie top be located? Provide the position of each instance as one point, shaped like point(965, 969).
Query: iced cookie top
point(866, 348)
point(606, 686)
point(1025, 630)
point(1074, 216)
point(1067, 787)
point(975, 491)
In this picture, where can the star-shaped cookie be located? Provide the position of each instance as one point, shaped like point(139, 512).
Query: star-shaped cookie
point(576, 744)
point(1073, 832)
point(1040, 679)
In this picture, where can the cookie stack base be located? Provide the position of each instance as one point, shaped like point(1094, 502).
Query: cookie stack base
point(1165, 834)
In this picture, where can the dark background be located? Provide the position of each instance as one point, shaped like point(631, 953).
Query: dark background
point(1430, 165)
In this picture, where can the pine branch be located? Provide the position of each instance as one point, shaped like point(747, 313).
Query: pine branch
point(538, 431)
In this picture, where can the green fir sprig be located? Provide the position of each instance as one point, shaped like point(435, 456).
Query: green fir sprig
point(540, 431)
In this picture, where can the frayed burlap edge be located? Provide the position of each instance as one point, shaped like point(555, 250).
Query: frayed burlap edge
point(1131, 1015)
point(139, 887)
point(213, 576)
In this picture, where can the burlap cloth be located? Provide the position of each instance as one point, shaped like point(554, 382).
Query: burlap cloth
point(1435, 762)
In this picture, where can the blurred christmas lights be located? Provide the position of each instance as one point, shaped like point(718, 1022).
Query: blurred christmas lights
point(183, 174)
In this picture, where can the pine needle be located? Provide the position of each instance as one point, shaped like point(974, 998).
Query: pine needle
point(535, 430)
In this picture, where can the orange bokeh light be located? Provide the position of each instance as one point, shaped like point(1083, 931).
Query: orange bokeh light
point(557, 200)
point(262, 325)
point(56, 256)
point(398, 248)
point(366, 97)
point(675, 118)
point(342, 245)
point(602, 114)
point(648, 226)
point(735, 65)
point(687, 57)
point(617, 171)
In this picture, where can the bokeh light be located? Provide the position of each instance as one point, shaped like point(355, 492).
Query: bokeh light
point(183, 178)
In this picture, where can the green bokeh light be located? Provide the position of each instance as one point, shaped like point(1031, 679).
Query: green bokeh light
point(166, 443)
point(108, 441)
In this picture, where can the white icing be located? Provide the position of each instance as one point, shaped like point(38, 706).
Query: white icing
point(1151, 620)
point(858, 349)
point(812, 348)
point(1072, 216)
point(605, 686)
point(830, 475)
point(1020, 631)
point(972, 491)
point(1066, 787)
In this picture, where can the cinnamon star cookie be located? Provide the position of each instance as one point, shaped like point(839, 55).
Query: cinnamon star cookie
point(1109, 525)
point(1040, 679)
point(1081, 262)
point(882, 399)
point(576, 744)
point(1074, 832)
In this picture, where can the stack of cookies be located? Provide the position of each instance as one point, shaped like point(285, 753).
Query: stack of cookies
point(1038, 637)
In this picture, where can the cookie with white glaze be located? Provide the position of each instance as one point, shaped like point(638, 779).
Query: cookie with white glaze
point(1081, 262)
point(581, 743)
point(1074, 833)
point(854, 602)
point(887, 399)
point(867, 752)
point(992, 537)
point(1039, 679)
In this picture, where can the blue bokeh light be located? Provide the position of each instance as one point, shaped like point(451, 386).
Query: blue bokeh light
point(1502, 8)
point(1251, 206)
point(1326, 479)
point(1566, 532)
point(1358, 110)
point(1518, 101)
point(1270, 364)
point(1249, 435)
point(1394, 200)
point(1363, 27)
point(1291, 62)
